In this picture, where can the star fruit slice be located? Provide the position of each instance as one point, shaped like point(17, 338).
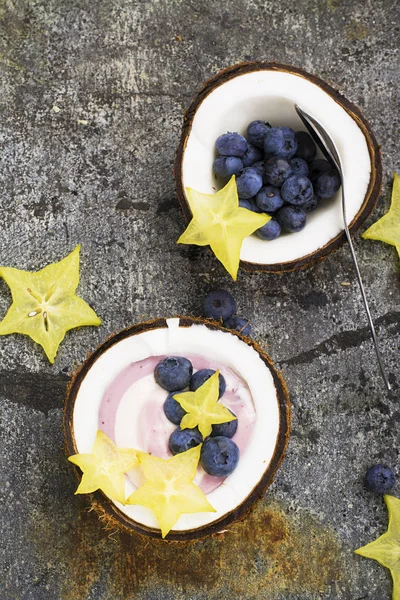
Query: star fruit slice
point(387, 229)
point(219, 221)
point(169, 490)
point(104, 469)
point(202, 407)
point(45, 305)
point(386, 549)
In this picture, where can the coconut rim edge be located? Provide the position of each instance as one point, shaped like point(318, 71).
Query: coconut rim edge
point(110, 513)
point(375, 180)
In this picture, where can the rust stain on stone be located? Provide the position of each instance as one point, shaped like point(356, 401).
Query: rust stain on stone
point(333, 5)
point(356, 31)
point(271, 551)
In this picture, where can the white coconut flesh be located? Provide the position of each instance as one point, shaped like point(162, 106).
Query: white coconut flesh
point(217, 345)
point(271, 96)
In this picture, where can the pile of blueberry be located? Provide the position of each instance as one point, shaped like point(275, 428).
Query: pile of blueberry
point(221, 305)
point(276, 173)
point(219, 454)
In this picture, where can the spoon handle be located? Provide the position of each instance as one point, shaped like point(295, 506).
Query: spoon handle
point(364, 297)
point(327, 145)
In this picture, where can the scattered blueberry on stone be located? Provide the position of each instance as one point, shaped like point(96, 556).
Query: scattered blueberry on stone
point(327, 184)
point(277, 170)
point(173, 373)
point(231, 144)
point(269, 199)
point(226, 429)
point(251, 156)
point(280, 141)
point(299, 166)
point(306, 147)
point(248, 183)
point(226, 166)
point(256, 131)
point(219, 456)
point(380, 479)
point(238, 324)
point(219, 304)
point(270, 231)
point(297, 190)
point(201, 377)
point(172, 409)
point(291, 218)
point(183, 439)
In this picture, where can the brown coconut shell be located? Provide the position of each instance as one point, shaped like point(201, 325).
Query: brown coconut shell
point(375, 182)
point(110, 515)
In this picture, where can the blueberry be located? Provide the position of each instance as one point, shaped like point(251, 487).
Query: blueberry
point(299, 166)
point(250, 204)
point(173, 373)
point(380, 479)
point(269, 199)
point(256, 131)
point(238, 324)
point(269, 231)
point(226, 429)
point(231, 144)
point(248, 183)
point(245, 204)
point(311, 204)
point(277, 170)
point(219, 304)
point(202, 375)
point(306, 147)
point(327, 184)
point(317, 167)
point(291, 218)
point(251, 156)
point(219, 456)
point(226, 166)
point(280, 141)
point(297, 190)
point(259, 167)
point(173, 410)
point(181, 440)
point(254, 206)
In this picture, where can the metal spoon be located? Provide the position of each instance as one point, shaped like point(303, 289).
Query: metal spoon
point(327, 145)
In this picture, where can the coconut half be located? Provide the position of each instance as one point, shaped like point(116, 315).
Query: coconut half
point(186, 336)
point(269, 91)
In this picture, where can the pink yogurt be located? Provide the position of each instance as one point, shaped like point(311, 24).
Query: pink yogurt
point(143, 417)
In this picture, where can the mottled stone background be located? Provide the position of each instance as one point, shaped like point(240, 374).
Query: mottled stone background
point(92, 97)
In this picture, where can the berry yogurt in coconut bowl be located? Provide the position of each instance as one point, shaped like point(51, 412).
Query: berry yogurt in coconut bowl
point(246, 164)
point(177, 426)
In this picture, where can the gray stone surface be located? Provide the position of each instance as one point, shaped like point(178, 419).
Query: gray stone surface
point(92, 97)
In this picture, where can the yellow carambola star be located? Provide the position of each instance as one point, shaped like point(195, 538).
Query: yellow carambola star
point(45, 305)
point(169, 490)
point(387, 229)
point(386, 549)
point(104, 469)
point(202, 407)
point(219, 222)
